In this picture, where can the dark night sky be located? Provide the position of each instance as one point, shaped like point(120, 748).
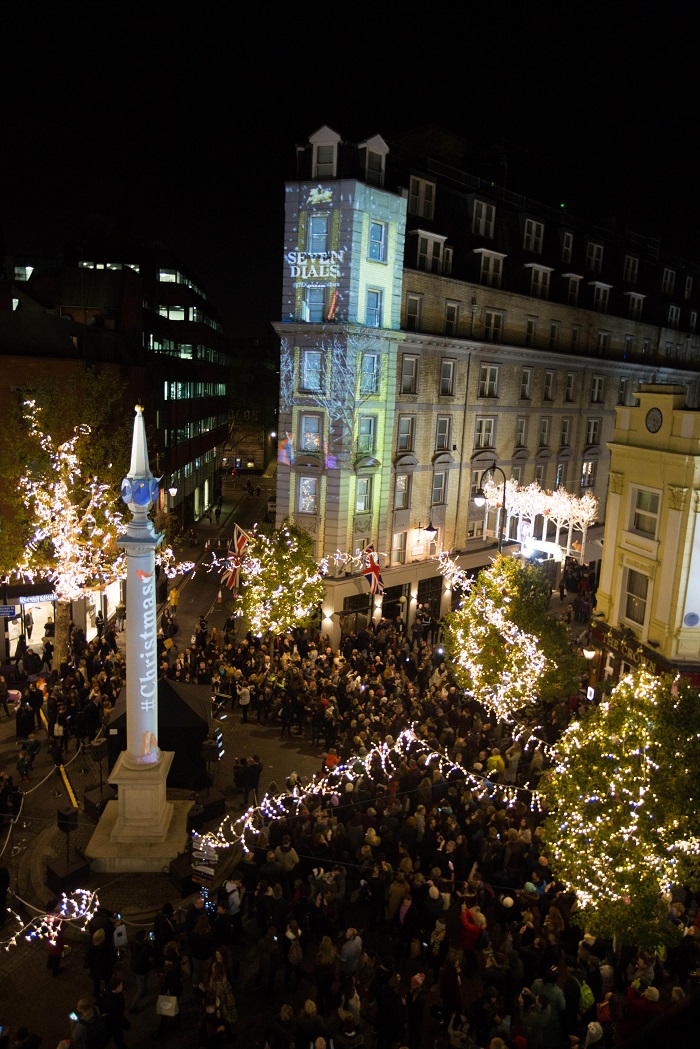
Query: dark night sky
point(180, 124)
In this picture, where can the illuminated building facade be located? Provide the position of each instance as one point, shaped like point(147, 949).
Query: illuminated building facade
point(648, 596)
point(433, 325)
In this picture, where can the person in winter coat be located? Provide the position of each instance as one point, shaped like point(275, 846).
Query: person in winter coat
point(408, 927)
point(391, 1014)
point(165, 930)
point(534, 1016)
point(99, 959)
point(415, 1007)
point(350, 1037)
point(450, 985)
point(281, 1035)
point(323, 974)
point(171, 984)
point(113, 1007)
point(309, 1025)
point(218, 985)
point(212, 1031)
point(141, 952)
point(292, 951)
point(553, 994)
point(201, 946)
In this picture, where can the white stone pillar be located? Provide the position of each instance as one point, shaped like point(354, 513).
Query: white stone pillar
point(140, 492)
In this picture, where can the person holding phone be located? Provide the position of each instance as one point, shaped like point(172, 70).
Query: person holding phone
point(141, 956)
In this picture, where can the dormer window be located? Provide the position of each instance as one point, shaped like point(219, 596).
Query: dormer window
point(324, 162)
point(373, 155)
point(421, 198)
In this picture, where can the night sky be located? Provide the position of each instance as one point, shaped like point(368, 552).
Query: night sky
point(180, 124)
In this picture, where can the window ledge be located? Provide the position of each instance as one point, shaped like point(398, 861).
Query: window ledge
point(640, 544)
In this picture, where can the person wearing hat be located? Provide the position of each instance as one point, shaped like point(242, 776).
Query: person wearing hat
point(643, 1005)
point(415, 1008)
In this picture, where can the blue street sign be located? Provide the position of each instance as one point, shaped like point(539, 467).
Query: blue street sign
point(8, 610)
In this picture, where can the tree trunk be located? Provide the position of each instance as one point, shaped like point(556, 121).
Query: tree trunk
point(60, 650)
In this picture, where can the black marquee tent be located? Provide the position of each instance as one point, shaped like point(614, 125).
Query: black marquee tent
point(184, 722)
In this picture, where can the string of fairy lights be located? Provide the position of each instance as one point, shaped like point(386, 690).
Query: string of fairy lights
point(76, 909)
point(381, 762)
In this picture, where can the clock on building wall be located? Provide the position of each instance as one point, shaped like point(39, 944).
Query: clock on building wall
point(654, 419)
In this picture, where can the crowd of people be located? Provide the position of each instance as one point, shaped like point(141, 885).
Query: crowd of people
point(401, 902)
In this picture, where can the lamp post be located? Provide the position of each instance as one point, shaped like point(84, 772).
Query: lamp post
point(172, 492)
point(480, 499)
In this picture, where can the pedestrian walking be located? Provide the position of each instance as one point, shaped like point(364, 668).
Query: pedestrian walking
point(243, 700)
point(251, 779)
point(28, 623)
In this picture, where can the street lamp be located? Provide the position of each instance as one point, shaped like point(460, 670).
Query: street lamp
point(430, 531)
point(172, 492)
point(480, 499)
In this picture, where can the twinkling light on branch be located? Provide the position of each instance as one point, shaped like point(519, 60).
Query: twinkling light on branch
point(623, 796)
point(380, 764)
point(74, 518)
point(77, 909)
point(482, 624)
point(281, 585)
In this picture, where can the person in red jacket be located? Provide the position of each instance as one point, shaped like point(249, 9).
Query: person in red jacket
point(470, 935)
point(643, 1005)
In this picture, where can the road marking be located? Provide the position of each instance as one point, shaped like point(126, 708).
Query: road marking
point(64, 776)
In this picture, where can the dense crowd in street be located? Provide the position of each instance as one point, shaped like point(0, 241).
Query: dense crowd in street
point(403, 902)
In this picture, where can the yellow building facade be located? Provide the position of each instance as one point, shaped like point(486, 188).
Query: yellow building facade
point(648, 600)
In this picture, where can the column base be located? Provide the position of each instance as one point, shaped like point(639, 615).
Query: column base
point(144, 814)
point(107, 855)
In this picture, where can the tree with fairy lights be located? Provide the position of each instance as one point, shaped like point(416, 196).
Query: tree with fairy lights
point(504, 646)
point(623, 797)
point(282, 586)
point(64, 505)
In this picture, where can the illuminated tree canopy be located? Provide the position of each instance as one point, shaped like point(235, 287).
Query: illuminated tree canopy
point(505, 648)
point(282, 585)
point(624, 797)
point(73, 516)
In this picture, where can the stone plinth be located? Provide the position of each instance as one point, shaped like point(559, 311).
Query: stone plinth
point(142, 830)
point(108, 856)
point(144, 813)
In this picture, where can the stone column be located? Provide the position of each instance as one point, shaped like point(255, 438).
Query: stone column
point(138, 831)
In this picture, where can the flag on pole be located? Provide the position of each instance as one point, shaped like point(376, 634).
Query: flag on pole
point(371, 571)
point(234, 559)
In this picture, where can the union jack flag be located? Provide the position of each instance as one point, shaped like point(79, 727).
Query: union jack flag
point(371, 571)
point(234, 559)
